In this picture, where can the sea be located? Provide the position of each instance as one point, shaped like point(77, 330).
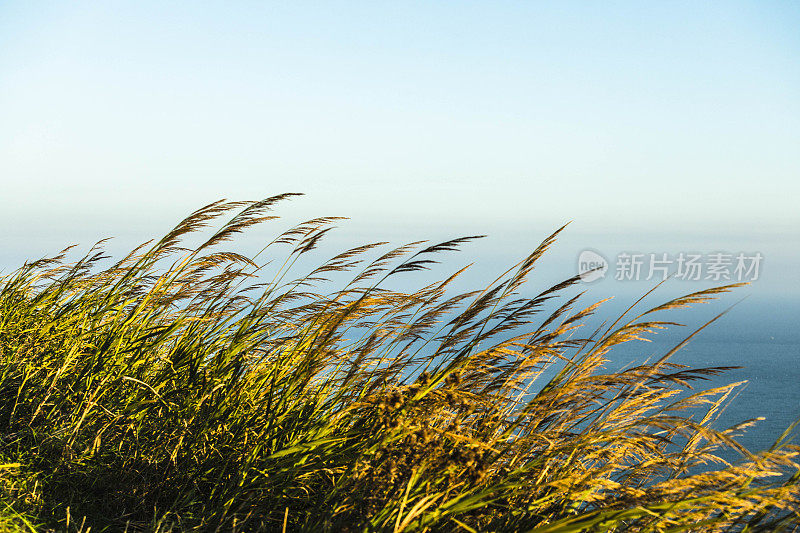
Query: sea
point(770, 372)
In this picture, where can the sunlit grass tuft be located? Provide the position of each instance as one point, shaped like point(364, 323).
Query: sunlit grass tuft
point(178, 389)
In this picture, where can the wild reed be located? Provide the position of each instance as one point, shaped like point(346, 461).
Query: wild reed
point(177, 390)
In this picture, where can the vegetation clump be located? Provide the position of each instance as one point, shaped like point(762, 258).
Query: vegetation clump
point(177, 390)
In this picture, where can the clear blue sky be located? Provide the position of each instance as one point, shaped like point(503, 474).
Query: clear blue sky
point(669, 124)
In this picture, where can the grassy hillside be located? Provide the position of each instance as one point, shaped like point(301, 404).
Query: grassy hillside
point(178, 390)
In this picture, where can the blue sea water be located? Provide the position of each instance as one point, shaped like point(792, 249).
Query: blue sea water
point(760, 334)
point(771, 371)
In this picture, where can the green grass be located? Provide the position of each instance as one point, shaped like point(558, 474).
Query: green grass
point(178, 389)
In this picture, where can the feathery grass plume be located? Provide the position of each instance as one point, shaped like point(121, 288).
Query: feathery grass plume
point(180, 390)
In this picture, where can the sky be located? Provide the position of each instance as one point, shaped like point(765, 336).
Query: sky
point(657, 127)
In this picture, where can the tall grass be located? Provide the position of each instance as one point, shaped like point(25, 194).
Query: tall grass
point(178, 389)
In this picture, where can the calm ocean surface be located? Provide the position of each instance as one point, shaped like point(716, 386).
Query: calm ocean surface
point(772, 372)
point(772, 391)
